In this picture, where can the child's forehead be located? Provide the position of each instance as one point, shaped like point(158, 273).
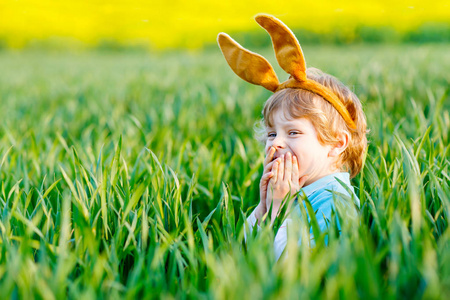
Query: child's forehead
point(283, 113)
point(283, 116)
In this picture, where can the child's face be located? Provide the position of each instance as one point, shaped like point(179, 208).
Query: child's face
point(299, 137)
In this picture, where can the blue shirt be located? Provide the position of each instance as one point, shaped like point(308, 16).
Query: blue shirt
point(323, 195)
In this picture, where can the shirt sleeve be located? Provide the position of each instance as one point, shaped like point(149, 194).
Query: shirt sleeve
point(251, 221)
point(281, 239)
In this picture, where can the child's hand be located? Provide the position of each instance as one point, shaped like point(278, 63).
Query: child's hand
point(261, 209)
point(285, 179)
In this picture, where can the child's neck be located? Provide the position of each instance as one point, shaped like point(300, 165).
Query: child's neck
point(314, 178)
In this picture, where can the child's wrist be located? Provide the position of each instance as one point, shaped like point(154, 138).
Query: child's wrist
point(260, 211)
point(275, 209)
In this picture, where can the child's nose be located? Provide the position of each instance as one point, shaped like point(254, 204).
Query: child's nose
point(279, 142)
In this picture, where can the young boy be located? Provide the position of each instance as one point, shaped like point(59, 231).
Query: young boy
point(315, 128)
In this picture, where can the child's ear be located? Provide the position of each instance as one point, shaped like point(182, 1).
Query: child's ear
point(341, 145)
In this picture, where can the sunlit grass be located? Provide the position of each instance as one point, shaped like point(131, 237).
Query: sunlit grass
point(124, 175)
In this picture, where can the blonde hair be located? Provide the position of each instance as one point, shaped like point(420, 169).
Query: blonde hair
point(298, 103)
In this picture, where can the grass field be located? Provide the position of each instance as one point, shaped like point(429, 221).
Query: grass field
point(130, 175)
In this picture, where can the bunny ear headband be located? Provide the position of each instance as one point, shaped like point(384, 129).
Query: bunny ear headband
point(255, 69)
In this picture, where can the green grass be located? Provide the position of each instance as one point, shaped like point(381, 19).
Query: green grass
point(130, 175)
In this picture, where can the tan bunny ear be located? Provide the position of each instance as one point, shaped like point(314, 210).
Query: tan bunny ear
point(249, 66)
point(287, 49)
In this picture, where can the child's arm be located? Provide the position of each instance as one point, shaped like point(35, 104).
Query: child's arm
point(261, 209)
point(256, 216)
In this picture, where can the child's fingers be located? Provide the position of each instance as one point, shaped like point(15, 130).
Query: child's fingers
point(288, 166)
point(275, 171)
point(265, 178)
point(281, 168)
point(295, 172)
point(269, 167)
point(264, 186)
point(269, 156)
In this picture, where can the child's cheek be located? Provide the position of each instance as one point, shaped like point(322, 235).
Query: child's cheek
point(267, 148)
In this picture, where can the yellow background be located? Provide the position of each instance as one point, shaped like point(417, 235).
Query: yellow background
point(191, 24)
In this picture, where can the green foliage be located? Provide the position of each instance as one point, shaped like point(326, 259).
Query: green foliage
point(130, 175)
point(426, 33)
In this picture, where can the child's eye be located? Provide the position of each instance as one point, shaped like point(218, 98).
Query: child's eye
point(271, 135)
point(294, 132)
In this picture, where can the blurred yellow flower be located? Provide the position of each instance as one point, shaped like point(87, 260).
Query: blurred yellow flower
point(191, 24)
